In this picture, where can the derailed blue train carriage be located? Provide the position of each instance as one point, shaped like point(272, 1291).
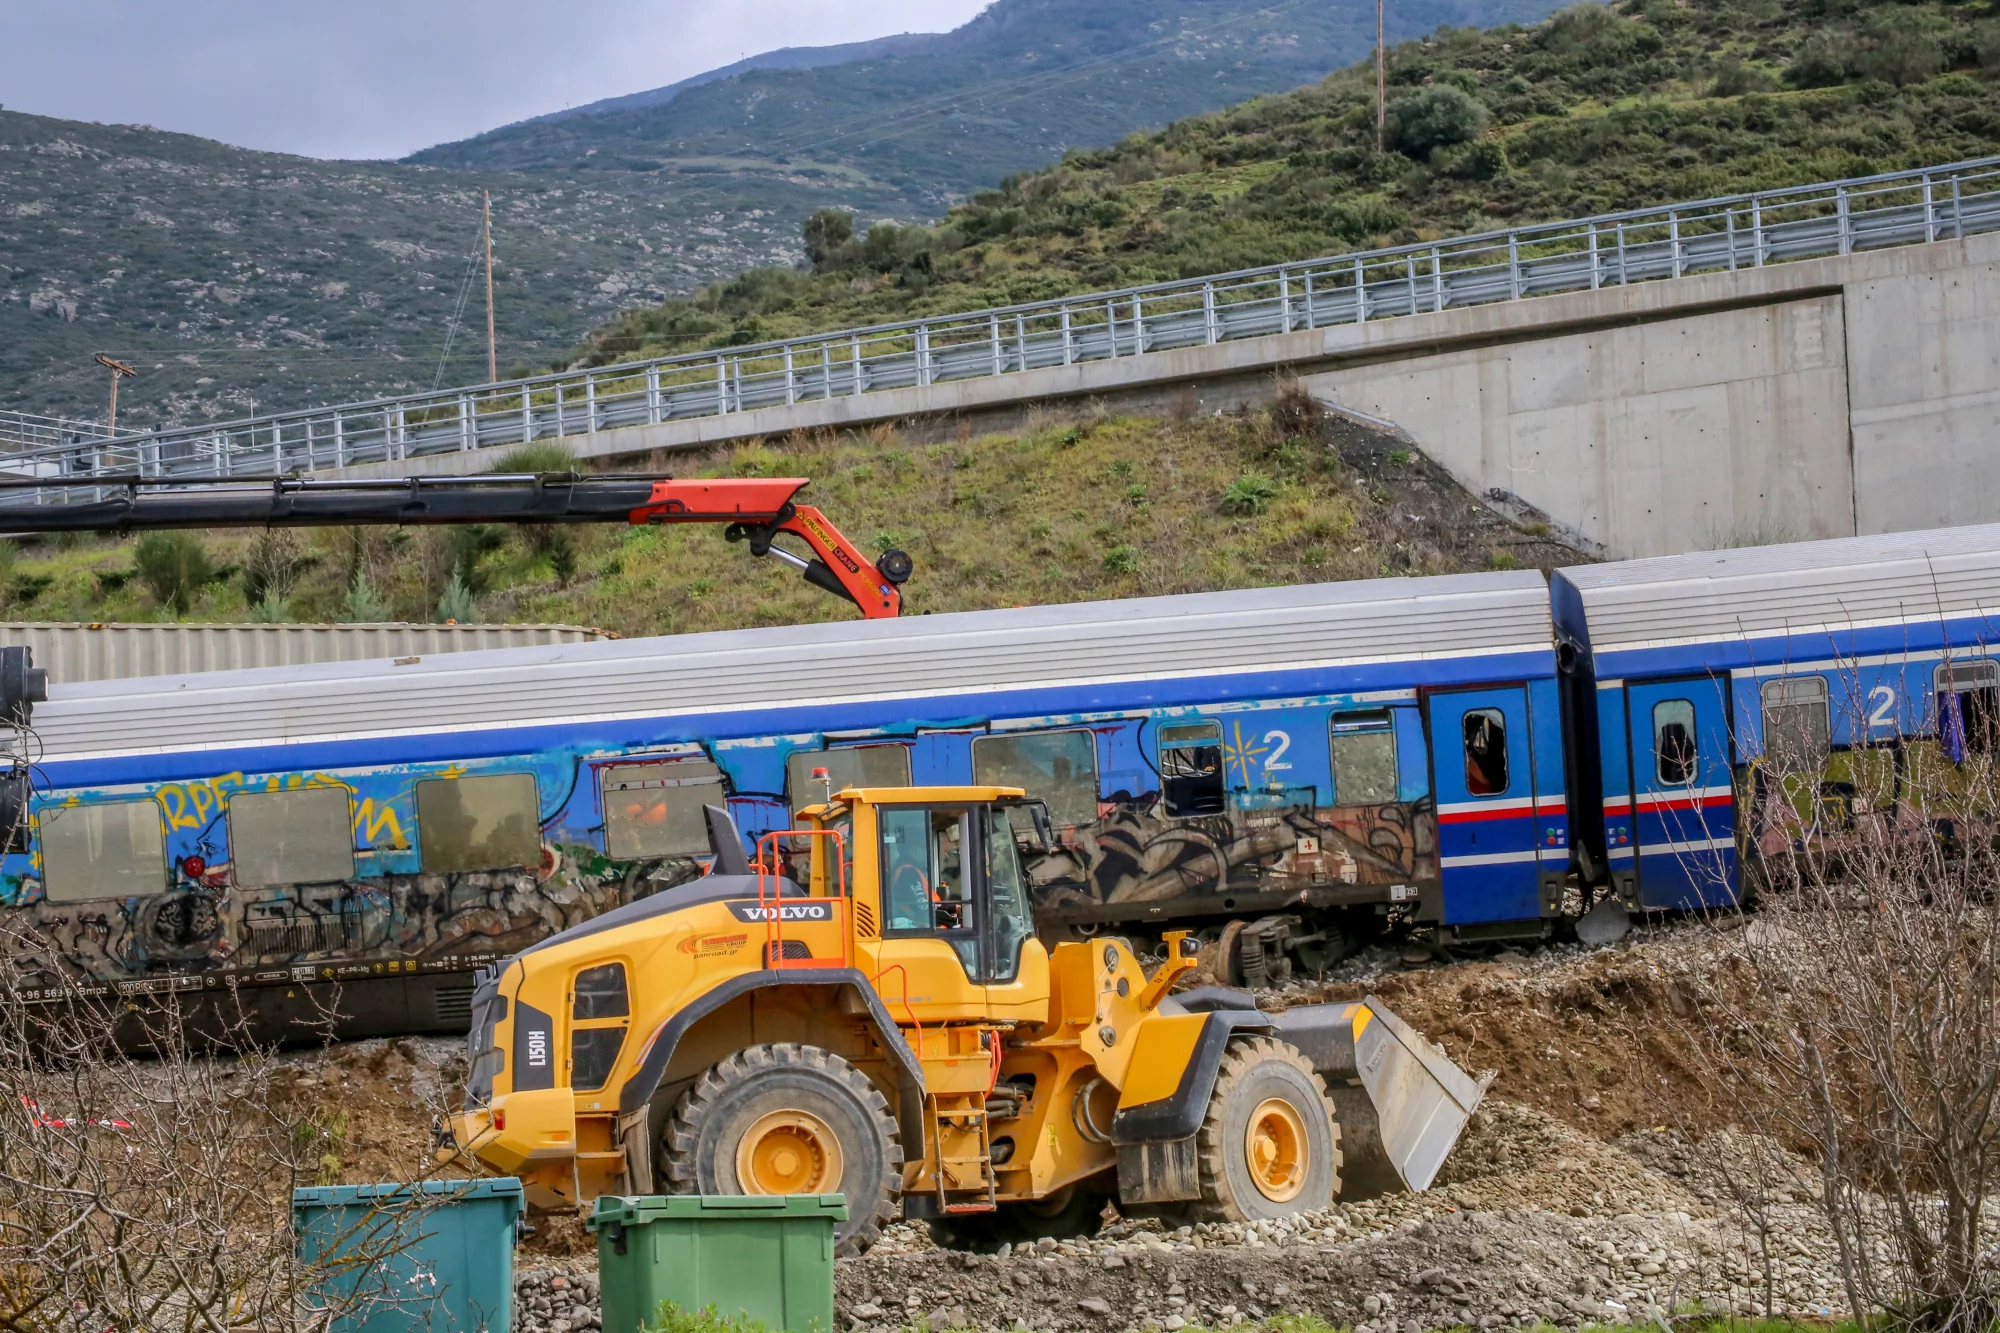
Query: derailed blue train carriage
point(1733, 704)
point(1299, 762)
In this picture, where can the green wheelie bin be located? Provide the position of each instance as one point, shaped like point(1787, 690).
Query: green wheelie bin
point(762, 1257)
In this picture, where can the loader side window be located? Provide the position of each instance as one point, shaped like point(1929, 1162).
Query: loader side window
point(1009, 922)
point(1059, 767)
point(112, 850)
point(654, 810)
point(923, 871)
point(487, 823)
point(849, 766)
point(1191, 769)
point(597, 995)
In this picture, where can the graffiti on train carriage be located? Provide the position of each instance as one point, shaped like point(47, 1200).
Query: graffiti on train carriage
point(354, 874)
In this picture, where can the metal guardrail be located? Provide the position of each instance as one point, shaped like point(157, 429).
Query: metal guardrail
point(1642, 245)
point(21, 431)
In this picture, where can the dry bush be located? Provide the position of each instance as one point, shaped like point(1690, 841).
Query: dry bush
point(154, 1192)
point(1856, 1018)
point(1295, 413)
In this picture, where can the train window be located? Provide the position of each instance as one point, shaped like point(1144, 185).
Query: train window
point(1364, 758)
point(291, 837)
point(1485, 752)
point(114, 850)
point(655, 809)
point(488, 823)
point(1975, 687)
point(1191, 769)
point(852, 766)
point(1798, 727)
point(1059, 767)
point(1673, 742)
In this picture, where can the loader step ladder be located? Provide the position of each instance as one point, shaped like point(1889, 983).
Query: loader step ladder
point(963, 1162)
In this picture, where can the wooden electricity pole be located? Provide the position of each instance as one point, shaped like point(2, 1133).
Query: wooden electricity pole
point(492, 343)
point(119, 370)
point(1381, 82)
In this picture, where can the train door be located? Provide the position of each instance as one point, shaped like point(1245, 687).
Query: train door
point(1683, 815)
point(1485, 784)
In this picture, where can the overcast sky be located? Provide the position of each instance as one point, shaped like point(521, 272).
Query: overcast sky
point(383, 78)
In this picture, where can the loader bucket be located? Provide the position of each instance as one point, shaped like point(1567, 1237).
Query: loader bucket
point(1412, 1102)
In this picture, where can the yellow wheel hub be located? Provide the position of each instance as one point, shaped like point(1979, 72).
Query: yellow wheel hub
point(1274, 1143)
point(788, 1152)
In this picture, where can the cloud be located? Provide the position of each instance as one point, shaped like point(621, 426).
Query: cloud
point(383, 78)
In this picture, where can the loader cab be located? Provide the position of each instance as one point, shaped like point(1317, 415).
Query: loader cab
point(941, 913)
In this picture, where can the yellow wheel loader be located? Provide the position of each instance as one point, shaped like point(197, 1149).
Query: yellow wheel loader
point(865, 1010)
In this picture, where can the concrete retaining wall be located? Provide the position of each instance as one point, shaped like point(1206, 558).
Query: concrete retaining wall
point(1858, 393)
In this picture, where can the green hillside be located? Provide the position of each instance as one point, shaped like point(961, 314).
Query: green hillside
point(1075, 508)
point(240, 281)
point(940, 115)
point(1600, 108)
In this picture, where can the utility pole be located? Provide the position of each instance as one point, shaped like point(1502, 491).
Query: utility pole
point(1381, 82)
point(119, 370)
point(492, 343)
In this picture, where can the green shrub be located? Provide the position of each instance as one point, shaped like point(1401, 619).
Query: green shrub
point(1248, 494)
point(1900, 50)
point(456, 603)
point(1433, 118)
point(1121, 560)
point(1822, 60)
point(824, 233)
point(1482, 160)
point(365, 606)
point(670, 1318)
point(173, 566)
point(1733, 78)
point(537, 456)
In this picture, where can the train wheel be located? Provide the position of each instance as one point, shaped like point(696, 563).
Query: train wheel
point(1268, 1146)
point(788, 1119)
point(1070, 1211)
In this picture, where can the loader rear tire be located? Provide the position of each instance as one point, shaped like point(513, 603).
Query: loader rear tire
point(788, 1119)
point(1268, 1146)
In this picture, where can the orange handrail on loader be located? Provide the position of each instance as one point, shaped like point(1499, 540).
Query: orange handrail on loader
point(771, 901)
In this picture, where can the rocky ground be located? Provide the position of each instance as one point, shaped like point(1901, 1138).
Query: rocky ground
point(1568, 1202)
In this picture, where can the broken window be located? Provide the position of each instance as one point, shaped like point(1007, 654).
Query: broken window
point(1673, 742)
point(1974, 687)
point(1059, 767)
point(1191, 769)
point(489, 823)
point(653, 810)
point(851, 766)
point(1485, 732)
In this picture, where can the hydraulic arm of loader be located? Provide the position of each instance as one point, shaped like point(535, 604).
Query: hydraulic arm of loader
point(756, 510)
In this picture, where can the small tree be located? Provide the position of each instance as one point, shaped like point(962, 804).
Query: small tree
point(1857, 1016)
point(1433, 118)
point(825, 232)
point(173, 566)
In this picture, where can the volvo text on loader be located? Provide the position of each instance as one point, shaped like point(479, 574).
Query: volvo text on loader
point(866, 1010)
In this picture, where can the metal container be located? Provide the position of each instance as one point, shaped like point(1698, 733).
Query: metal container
point(76, 653)
point(398, 1259)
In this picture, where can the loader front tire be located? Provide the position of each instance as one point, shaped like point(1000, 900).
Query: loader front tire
point(1268, 1146)
point(788, 1119)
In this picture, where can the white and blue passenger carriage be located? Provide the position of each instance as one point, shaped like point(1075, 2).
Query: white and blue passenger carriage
point(1306, 760)
point(1699, 677)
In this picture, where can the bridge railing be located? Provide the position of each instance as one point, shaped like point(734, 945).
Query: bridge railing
point(1613, 249)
